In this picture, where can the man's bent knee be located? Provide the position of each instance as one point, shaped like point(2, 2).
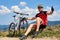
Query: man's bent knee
point(31, 25)
point(38, 19)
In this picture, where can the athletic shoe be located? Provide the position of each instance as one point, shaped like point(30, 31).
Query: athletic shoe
point(23, 37)
point(35, 34)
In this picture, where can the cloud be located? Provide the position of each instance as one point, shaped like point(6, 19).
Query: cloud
point(4, 10)
point(55, 16)
point(47, 9)
point(23, 3)
point(29, 10)
point(16, 9)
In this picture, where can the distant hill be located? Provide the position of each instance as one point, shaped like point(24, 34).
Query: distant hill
point(53, 23)
point(4, 27)
point(50, 23)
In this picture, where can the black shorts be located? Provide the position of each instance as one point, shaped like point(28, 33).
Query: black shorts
point(41, 26)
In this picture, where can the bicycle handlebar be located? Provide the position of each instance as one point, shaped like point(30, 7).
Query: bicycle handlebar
point(21, 13)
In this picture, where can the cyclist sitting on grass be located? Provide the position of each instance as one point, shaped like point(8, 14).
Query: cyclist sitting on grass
point(41, 21)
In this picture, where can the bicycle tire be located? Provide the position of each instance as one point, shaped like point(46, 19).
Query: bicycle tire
point(12, 29)
point(25, 25)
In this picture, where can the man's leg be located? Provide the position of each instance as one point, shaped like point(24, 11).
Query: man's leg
point(27, 32)
point(38, 23)
point(29, 29)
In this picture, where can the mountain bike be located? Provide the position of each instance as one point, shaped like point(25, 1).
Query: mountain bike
point(22, 23)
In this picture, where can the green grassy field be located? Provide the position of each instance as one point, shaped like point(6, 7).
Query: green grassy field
point(52, 31)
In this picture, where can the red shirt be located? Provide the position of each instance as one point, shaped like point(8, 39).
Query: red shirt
point(43, 16)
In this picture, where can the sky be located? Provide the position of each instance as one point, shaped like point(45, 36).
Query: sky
point(27, 6)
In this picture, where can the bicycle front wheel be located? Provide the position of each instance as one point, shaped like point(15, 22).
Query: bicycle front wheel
point(12, 29)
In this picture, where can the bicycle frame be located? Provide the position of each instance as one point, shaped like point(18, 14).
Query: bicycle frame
point(19, 18)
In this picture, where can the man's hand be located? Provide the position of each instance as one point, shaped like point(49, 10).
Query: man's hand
point(52, 9)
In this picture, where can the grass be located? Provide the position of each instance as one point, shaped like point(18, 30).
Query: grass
point(47, 32)
point(3, 34)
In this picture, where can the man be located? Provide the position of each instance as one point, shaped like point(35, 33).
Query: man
point(41, 21)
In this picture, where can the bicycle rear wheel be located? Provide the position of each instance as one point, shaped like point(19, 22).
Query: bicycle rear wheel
point(24, 24)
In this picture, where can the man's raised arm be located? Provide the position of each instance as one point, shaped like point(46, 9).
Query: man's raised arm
point(51, 12)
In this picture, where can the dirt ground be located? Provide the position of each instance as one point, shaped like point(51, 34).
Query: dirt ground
point(17, 38)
